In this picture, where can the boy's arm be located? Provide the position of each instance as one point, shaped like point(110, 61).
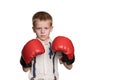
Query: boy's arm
point(69, 67)
point(26, 67)
point(30, 50)
point(66, 62)
point(64, 45)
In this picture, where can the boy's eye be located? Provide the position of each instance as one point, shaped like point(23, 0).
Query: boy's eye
point(38, 28)
point(46, 28)
point(42, 28)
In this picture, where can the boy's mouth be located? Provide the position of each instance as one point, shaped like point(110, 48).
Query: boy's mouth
point(42, 35)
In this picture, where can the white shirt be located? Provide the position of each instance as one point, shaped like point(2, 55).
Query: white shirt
point(44, 65)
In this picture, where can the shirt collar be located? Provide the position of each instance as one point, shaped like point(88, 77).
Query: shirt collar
point(45, 42)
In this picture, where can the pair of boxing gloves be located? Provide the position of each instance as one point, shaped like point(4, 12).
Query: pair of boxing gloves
point(60, 44)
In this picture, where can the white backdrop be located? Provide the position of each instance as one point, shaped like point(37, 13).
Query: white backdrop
point(92, 25)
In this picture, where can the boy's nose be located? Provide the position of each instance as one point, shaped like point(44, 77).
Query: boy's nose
point(42, 31)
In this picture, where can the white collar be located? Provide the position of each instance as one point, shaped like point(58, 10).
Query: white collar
point(45, 42)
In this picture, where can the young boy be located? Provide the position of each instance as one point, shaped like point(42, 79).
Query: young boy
point(45, 65)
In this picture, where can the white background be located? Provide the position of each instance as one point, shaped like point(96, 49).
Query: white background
point(92, 25)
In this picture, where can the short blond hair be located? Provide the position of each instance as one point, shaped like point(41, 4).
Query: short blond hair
point(41, 15)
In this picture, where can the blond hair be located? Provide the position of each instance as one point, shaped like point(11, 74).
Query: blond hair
point(41, 16)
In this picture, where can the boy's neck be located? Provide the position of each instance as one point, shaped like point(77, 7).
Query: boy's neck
point(44, 41)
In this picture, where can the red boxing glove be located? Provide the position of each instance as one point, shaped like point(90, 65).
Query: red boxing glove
point(31, 49)
point(64, 45)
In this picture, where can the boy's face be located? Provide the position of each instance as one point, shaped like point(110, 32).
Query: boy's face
point(42, 29)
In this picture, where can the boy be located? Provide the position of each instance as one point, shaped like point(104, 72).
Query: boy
point(44, 64)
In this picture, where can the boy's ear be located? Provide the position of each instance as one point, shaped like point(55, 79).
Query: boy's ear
point(51, 28)
point(33, 29)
